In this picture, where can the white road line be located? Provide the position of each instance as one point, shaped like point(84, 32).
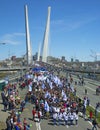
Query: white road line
point(90, 88)
point(90, 123)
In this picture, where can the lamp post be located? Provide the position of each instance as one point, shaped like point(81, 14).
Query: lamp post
point(2, 43)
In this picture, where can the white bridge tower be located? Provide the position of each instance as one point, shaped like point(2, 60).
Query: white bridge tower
point(46, 38)
point(28, 42)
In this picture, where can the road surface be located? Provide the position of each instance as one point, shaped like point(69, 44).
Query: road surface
point(91, 86)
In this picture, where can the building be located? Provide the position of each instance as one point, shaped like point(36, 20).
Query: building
point(63, 58)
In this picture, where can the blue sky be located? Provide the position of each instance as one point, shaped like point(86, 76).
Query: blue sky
point(74, 27)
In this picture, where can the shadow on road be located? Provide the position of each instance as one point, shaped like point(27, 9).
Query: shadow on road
point(50, 123)
point(30, 119)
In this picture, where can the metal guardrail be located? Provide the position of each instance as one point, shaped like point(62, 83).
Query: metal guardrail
point(72, 70)
point(12, 68)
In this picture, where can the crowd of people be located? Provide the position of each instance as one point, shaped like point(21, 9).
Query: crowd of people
point(53, 97)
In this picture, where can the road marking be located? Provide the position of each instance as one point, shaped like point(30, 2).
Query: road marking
point(90, 88)
point(90, 123)
point(38, 127)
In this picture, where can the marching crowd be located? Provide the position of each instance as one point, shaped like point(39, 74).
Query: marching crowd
point(53, 97)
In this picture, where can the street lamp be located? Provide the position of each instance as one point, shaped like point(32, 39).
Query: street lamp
point(2, 43)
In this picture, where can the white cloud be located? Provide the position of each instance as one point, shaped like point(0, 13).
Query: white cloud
point(71, 24)
point(19, 34)
point(57, 22)
point(77, 24)
point(14, 38)
point(8, 41)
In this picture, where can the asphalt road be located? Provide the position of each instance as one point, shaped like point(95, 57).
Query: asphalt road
point(91, 86)
point(48, 124)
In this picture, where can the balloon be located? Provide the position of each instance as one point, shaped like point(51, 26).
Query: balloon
point(19, 112)
point(30, 125)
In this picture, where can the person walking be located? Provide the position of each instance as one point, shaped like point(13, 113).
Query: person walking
point(85, 91)
point(55, 118)
point(60, 118)
point(8, 123)
point(91, 115)
point(96, 109)
point(71, 118)
point(38, 127)
point(76, 118)
point(66, 119)
point(5, 103)
point(25, 123)
point(33, 112)
point(94, 123)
